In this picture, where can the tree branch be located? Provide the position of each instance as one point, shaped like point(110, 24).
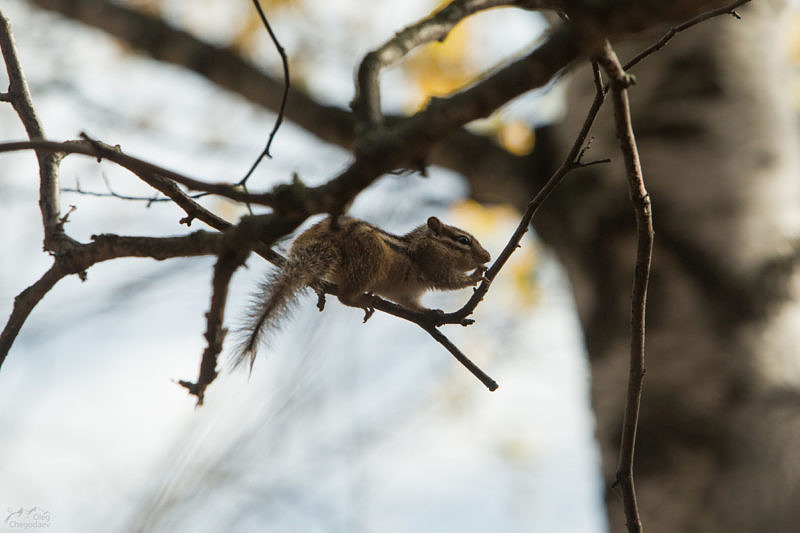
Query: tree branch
point(673, 31)
point(230, 258)
point(644, 249)
point(140, 167)
point(24, 304)
point(284, 95)
point(367, 102)
point(19, 97)
point(102, 248)
point(463, 359)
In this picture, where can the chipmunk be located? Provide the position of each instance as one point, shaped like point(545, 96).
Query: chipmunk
point(363, 261)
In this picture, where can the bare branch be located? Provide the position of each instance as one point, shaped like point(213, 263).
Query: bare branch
point(103, 248)
point(661, 43)
point(463, 359)
point(367, 102)
point(284, 96)
point(140, 167)
point(19, 97)
point(428, 321)
point(234, 248)
point(24, 304)
point(644, 249)
point(157, 177)
point(230, 258)
point(617, 17)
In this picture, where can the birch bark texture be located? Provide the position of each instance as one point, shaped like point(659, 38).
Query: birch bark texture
point(720, 419)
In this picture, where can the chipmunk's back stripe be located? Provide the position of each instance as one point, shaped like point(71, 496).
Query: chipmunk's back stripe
point(394, 246)
point(394, 242)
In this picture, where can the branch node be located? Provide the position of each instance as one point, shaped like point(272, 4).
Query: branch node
point(65, 218)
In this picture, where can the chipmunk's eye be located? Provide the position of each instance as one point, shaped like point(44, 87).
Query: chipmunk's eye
point(463, 239)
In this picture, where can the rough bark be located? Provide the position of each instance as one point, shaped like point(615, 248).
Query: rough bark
point(719, 424)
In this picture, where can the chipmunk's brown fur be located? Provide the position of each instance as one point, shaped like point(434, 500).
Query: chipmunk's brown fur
point(363, 260)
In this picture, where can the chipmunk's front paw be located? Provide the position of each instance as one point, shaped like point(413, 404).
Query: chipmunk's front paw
point(368, 312)
point(320, 300)
point(478, 275)
point(368, 307)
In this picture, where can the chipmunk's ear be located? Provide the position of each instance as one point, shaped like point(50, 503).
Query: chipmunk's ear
point(435, 224)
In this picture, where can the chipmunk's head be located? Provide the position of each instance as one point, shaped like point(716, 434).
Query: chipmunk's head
point(456, 246)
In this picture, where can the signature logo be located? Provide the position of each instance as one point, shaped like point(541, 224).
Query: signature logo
point(35, 517)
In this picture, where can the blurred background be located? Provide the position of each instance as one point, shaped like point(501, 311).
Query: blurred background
point(351, 427)
point(342, 426)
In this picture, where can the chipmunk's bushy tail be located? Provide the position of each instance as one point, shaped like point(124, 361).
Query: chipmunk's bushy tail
point(273, 301)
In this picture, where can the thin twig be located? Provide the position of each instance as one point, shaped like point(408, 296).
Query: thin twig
point(463, 359)
point(644, 249)
point(658, 45)
point(113, 194)
point(429, 322)
point(284, 96)
point(571, 162)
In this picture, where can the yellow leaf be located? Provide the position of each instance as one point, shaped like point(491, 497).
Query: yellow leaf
point(440, 68)
point(517, 137)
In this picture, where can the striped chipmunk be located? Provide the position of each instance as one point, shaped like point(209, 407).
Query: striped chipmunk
point(363, 261)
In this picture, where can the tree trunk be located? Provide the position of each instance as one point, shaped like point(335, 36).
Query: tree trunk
point(720, 423)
